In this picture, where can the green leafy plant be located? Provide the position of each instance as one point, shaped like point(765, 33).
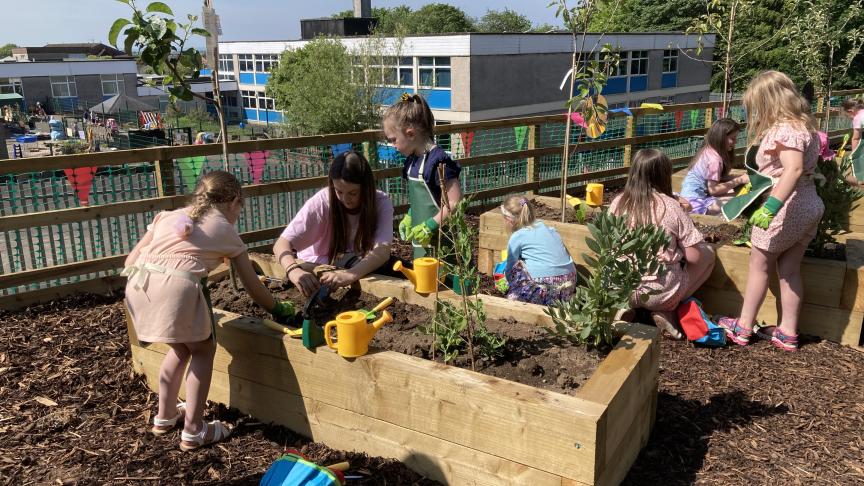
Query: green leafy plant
point(70, 147)
point(621, 256)
point(838, 196)
point(456, 327)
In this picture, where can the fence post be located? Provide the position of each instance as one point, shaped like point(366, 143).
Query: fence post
point(628, 134)
point(532, 172)
point(165, 185)
point(820, 111)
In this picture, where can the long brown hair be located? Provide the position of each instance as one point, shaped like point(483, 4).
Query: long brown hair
point(853, 104)
point(412, 111)
point(772, 98)
point(650, 172)
point(352, 167)
point(217, 187)
point(715, 138)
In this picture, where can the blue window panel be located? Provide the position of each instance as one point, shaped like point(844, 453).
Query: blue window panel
point(638, 83)
point(670, 80)
point(275, 116)
point(438, 99)
point(206, 72)
point(261, 78)
point(251, 113)
point(390, 96)
point(68, 103)
point(615, 86)
point(247, 78)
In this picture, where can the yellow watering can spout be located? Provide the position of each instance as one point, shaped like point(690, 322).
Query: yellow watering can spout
point(385, 318)
point(409, 274)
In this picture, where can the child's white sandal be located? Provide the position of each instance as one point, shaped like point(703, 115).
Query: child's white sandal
point(199, 440)
point(164, 426)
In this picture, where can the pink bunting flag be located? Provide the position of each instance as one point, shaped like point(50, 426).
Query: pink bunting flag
point(256, 162)
point(81, 180)
point(719, 112)
point(679, 116)
point(578, 119)
point(467, 140)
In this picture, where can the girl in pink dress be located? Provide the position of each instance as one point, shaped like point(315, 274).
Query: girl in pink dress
point(688, 260)
point(854, 109)
point(708, 185)
point(169, 303)
point(779, 122)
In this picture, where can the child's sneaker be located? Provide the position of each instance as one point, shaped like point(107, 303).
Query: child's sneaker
point(739, 335)
point(778, 338)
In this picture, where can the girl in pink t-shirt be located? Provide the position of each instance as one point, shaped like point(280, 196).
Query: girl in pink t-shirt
point(688, 260)
point(349, 224)
point(854, 109)
point(167, 297)
point(708, 184)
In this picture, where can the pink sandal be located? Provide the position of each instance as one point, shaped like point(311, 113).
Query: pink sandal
point(738, 334)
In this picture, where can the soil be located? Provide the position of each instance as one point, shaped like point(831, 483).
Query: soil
point(720, 234)
point(550, 213)
point(73, 413)
point(739, 415)
point(531, 355)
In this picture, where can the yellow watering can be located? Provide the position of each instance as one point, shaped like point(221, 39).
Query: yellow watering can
point(424, 276)
point(353, 333)
point(594, 194)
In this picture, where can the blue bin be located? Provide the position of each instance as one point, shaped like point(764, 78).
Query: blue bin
point(25, 138)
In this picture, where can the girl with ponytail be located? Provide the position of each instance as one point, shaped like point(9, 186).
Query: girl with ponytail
point(538, 270)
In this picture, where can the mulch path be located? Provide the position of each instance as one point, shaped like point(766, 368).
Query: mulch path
point(751, 415)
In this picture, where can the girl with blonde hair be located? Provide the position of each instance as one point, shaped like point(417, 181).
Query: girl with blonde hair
point(538, 270)
point(782, 132)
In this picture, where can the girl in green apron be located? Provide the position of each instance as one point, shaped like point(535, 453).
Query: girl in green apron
point(409, 126)
point(781, 160)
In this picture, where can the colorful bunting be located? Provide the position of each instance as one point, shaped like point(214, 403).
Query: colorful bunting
point(256, 162)
point(578, 119)
point(651, 106)
point(520, 136)
point(622, 110)
point(694, 118)
point(81, 180)
point(467, 140)
point(190, 169)
point(679, 116)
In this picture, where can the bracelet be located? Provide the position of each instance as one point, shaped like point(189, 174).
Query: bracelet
point(291, 268)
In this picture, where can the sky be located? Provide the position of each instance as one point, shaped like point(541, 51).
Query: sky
point(59, 21)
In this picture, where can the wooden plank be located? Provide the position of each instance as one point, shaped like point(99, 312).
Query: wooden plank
point(628, 133)
point(60, 271)
point(86, 213)
point(532, 169)
point(434, 458)
point(518, 422)
point(839, 325)
point(853, 285)
point(637, 433)
point(165, 184)
point(102, 286)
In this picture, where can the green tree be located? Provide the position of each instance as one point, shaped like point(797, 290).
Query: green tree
point(6, 50)
point(321, 91)
point(646, 15)
point(439, 18)
point(503, 21)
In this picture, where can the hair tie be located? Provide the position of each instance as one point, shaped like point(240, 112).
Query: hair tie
point(523, 202)
point(405, 98)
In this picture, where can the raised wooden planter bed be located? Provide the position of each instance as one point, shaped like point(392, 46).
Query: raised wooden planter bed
point(833, 291)
point(450, 424)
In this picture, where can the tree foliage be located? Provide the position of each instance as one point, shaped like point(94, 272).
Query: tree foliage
point(437, 18)
point(321, 91)
point(503, 21)
point(6, 50)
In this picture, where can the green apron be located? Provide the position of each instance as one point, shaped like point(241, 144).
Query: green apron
point(857, 157)
point(759, 183)
point(423, 205)
point(206, 292)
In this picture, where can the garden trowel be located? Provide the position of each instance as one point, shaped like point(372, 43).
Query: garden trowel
point(370, 315)
point(313, 334)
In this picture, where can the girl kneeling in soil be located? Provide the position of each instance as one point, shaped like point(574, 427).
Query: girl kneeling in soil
point(538, 270)
point(708, 184)
point(854, 109)
point(688, 260)
point(779, 121)
point(169, 302)
point(348, 224)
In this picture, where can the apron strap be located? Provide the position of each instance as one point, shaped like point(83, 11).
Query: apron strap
point(140, 274)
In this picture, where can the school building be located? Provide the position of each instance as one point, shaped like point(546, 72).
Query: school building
point(471, 77)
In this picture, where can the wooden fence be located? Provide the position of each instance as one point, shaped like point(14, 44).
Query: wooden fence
point(36, 277)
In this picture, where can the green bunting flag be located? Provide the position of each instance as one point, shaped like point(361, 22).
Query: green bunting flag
point(190, 169)
point(520, 136)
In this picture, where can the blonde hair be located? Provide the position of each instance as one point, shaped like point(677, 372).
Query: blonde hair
point(217, 187)
point(520, 210)
point(772, 98)
point(412, 111)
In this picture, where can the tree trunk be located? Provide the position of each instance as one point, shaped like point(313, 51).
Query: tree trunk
point(727, 68)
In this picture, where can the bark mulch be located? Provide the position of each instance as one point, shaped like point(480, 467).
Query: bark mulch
point(71, 410)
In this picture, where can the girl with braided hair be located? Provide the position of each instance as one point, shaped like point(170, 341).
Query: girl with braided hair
point(169, 302)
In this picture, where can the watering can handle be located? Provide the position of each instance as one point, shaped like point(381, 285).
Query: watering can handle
point(327, 328)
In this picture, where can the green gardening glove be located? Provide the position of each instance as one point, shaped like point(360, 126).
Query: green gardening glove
point(283, 311)
point(502, 285)
point(763, 216)
point(422, 233)
point(405, 226)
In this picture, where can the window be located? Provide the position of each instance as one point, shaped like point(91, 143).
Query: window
point(63, 86)
point(113, 84)
point(265, 103)
point(388, 71)
point(638, 63)
point(226, 67)
point(263, 62)
point(434, 72)
point(670, 61)
point(11, 85)
point(621, 69)
point(249, 99)
point(246, 63)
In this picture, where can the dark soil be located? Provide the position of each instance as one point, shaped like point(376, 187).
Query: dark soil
point(531, 355)
point(73, 413)
point(720, 234)
point(553, 213)
point(734, 416)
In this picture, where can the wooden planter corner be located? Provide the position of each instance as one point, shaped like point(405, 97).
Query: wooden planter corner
point(833, 305)
point(450, 424)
